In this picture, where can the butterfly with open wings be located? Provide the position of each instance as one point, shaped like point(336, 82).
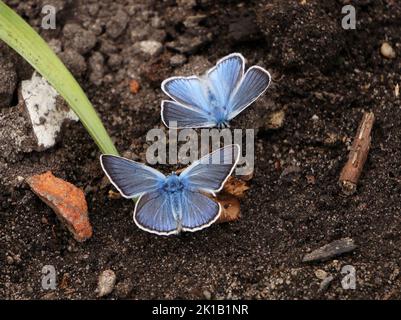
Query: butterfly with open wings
point(174, 203)
point(214, 99)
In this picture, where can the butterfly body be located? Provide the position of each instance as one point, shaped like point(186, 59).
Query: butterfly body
point(214, 99)
point(174, 203)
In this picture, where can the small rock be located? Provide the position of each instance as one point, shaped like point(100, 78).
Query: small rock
point(117, 24)
point(193, 21)
point(331, 250)
point(74, 62)
point(78, 38)
point(46, 110)
point(178, 60)
point(134, 86)
point(324, 285)
point(315, 117)
point(207, 294)
point(150, 47)
point(275, 120)
point(10, 260)
point(320, 274)
point(106, 282)
point(387, 51)
point(66, 200)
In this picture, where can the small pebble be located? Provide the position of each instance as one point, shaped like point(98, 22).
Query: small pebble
point(387, 51)
point(150, 47)
point(324, 285)
point(321, 274)
point(106, 283)
point(134, 86)
point(275, 120)
point(178, 60)
point(207, 294)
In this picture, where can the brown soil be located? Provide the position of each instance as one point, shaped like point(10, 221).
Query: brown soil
point(324, 77)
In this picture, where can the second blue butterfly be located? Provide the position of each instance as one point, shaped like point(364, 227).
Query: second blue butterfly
point(214, 99)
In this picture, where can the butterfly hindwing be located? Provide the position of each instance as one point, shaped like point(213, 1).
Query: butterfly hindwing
point(175, 115)
point(153, 213)
point(198, 211)
point(129, 177)
point(211, 171)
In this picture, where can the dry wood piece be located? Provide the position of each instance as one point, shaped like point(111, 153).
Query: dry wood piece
point(359, 152)
point(331, 250)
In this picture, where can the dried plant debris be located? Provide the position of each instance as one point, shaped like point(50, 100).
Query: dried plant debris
point(331, 250)
point(358, 154)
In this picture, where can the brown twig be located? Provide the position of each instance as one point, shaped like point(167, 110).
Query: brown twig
point(358, 154)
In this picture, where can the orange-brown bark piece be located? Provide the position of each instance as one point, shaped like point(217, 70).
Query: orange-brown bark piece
point(66, 200)
point(358, 154)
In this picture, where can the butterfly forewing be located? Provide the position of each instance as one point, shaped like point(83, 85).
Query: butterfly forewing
point(225, 76)
point(211, 171)
point(189, 91)
point(129, 177)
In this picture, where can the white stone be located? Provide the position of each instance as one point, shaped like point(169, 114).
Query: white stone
point(106, 283)
point(150, 47)
point(46, 116)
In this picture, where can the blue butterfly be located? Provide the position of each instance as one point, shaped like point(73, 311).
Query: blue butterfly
point(214, 99)
point(171, 204)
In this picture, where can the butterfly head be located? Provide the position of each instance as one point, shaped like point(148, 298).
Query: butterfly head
point(173, 184)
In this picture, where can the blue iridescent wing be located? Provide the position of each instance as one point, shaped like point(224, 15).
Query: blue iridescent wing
point(225, 77)
point(209, 173)
point(175, 115)
point(189, 91)
point(129, 177)
point(198, 211)
point(255, 81)
point(153, 213)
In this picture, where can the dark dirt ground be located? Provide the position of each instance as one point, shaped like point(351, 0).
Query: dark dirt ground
point(324, 77)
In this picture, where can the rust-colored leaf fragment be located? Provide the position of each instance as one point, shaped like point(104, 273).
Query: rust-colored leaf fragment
point(236, 187)
point(230, 207)
point(66, 200)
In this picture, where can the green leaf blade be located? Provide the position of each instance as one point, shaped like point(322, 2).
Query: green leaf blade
point(29, 44)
